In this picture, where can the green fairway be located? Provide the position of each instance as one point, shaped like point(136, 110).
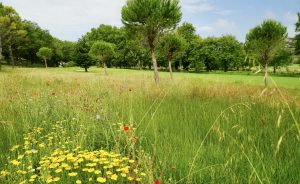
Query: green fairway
point(246, 78)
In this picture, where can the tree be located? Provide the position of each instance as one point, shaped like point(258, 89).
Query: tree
point(107, 33)
point(67, 50)
point(187, 31)
point(264, 40)
point(131, 52)
point(151, 18)
point(230, 52)
point(190, 55)
point(170, 45)
point(282, 57)
point(208, 53)
point(81, 57)
point(102, 51)
point(35, 39)
point(2, 31)
point(297, 37)
point(11, 29)
point(44, 53)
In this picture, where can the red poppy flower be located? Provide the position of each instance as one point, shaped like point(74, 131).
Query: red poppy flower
point(156, 182)
point(126, 128)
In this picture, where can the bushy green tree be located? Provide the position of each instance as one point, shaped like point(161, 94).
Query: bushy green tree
point(102, 51)
point(44, 53)
point(170, 45)
point(190, 56)
point(107, 33)
point(282, 57)
point(67, 50)
point(81, 57)
point(151, 18)
point(208, 53)
point(62, 51)
point(264, 41)
point(35, 39)
point(11, 30)
point(230, 52)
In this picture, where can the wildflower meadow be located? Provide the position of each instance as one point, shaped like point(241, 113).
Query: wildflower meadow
point(67, 126)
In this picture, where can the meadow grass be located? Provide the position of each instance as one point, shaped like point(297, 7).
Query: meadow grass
point(199, 128)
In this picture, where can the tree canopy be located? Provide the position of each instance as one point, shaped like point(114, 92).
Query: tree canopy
point(149, 38)
point(265, 40)
point(171, 45)
point(44, 53)
point(102, 51)
point(151, 18)
point(81, 56)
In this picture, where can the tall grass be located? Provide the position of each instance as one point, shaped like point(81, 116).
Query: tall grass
point(187, 131)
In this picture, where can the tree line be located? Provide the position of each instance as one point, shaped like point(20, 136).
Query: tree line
point(150, 38)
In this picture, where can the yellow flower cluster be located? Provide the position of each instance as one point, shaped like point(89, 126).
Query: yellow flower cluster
point(37, 161)
point(4, 173)
point(100, 166)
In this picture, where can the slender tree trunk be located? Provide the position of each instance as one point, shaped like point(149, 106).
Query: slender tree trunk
point(274, 69)
point(139, 64)
point(45, 60)
point(170, 68)
point(11, 56)
point(104, 66)
point(266, 75)
point(170, 56)
point(85, 69)
point(156, 77)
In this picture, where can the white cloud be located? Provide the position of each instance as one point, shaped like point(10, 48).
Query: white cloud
point(69, 19)
point(225, 12)
point(193, 6)
point(204, 29)
point(219, 27)
point(225, 25)
point(291, 30)
point(270, 15)
point(291, 17)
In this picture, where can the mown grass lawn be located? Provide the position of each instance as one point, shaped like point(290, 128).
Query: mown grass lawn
point(199, 128)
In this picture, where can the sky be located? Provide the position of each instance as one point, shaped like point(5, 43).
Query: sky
point(70, 19)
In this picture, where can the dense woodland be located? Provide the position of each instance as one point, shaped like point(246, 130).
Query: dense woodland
point(24, 43)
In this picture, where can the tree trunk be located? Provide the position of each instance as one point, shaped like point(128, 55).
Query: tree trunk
point(225, 66)
point(45, 60)
point(11, 56)
point(170, 68)
point(85, 69)
point(170, 56)
point(156, 77)
point(104, 66)
point(266, 75)
point(140, 65)
point(274, 69)
point(225, 69)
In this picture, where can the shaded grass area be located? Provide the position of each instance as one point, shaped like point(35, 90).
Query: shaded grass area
point(200, 128)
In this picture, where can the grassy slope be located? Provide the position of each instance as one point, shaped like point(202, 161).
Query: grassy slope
point(181, 123)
